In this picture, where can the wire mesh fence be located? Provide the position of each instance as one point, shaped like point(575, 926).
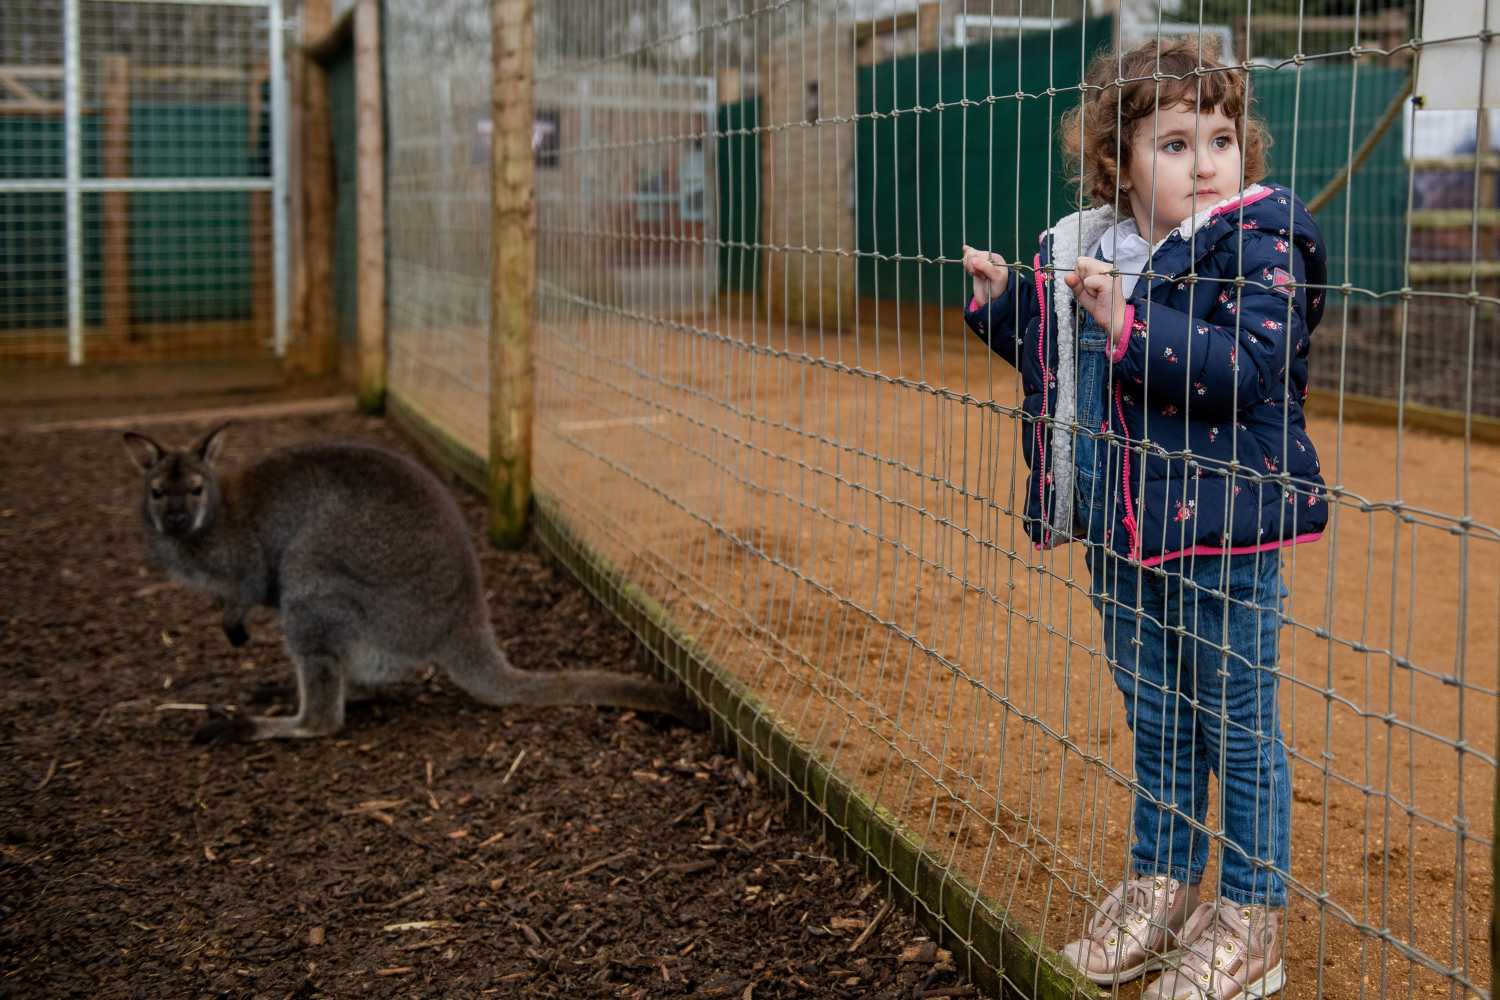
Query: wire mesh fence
point(137, 180)
point(759, 405)
point(437, 60)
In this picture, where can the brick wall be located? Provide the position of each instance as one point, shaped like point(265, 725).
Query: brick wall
point(807, 175)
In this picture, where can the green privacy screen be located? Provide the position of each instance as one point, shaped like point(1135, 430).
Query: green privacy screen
point(189, 250)
point(989, 174)
point(739, 195)
point(1310, 128)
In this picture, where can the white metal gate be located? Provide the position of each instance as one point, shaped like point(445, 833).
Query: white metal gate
point(143, 180)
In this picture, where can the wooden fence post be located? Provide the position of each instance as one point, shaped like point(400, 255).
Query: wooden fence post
point(370, 183)
point(318, 345)
point(512, 270)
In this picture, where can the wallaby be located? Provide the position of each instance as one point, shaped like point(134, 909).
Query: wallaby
point(368, 560)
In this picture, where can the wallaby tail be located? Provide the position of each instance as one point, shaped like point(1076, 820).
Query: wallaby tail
point(485, 672)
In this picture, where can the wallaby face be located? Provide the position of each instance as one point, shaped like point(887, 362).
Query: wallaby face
point(181, 492)
point(372, 566)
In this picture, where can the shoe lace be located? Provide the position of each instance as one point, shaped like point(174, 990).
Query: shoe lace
point(1128, 906)
point(1220, 935)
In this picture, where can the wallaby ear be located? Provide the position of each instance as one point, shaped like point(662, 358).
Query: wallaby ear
point(143, 451)
point(211, 444)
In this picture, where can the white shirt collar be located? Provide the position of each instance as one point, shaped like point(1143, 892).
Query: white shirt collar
point(1123, 245)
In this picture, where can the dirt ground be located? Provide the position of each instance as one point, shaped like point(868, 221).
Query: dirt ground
point(832, 515)
point(435, 848)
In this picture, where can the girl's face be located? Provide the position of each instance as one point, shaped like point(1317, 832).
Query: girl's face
point(1181, 162)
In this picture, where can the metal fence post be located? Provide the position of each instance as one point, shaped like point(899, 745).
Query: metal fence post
point(73, 143)
point(512, 270)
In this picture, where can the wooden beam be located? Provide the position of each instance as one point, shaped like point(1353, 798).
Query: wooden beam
point(116, 224)
point(19, 89)
point(1437, 271)
point(31, 72)
point(370, 216)
point(929, 22)
point(1412, 416)
point(1369, 24)
point(1488, 164)
point(34, 107)
point(225, 74)
point(26, 101)
point(318, 346)
point(329, 42)
point(889, 25)
point(1453, 218)
point(512, 270)
point(199, 74)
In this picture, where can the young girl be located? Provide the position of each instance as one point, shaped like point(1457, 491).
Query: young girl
point(1162, 341)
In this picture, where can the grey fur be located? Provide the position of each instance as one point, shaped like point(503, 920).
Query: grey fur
point(1069, 238)
point(369, 561)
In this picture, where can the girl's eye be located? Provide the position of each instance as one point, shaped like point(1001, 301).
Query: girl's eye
point(1223, 142)
point(1175, 146)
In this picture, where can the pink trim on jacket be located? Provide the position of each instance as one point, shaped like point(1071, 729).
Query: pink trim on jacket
point(974, 303)
point(1122, 344)
point(1130, 521)
point(1234, 550)
point(1241, 202)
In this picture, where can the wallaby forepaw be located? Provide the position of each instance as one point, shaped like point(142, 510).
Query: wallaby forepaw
point(225, 729)
point(236, 635)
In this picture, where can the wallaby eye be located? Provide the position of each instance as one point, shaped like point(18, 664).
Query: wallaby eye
point(197, 491)
point(156, 493)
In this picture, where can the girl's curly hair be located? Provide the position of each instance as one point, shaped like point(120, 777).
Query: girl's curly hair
point(1122, 91)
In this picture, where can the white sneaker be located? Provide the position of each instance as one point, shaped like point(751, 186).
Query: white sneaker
point(1134, 931)
point(1230, 951)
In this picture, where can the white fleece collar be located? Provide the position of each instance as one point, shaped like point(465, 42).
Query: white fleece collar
point(1070, 237)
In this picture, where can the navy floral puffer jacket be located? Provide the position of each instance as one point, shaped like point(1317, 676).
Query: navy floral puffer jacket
point(1206, 414)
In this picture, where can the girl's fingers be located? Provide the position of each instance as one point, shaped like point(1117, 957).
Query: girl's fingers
point(985, 258)
point(1089, 266)
point(1098, 284)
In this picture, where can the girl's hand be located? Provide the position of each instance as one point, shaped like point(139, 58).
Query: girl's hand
point(1101, 294)
point(990, 273)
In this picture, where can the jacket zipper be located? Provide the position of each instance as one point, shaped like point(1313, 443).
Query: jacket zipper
point(1130, 522)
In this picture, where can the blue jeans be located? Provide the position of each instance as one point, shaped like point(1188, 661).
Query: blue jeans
point(1192, 645)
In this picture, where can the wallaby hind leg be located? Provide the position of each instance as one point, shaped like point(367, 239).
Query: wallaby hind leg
point(476, 664)
point(315, 639)
point(273, 692)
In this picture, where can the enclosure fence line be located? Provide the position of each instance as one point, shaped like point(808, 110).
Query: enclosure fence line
point(764, 435)
point(144, 178)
